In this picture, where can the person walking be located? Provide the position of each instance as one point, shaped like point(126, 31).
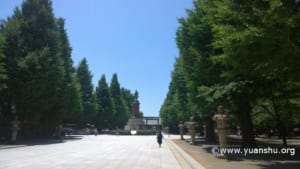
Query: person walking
point(159, 138)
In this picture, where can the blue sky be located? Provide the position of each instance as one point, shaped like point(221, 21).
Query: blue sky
point(133, 38)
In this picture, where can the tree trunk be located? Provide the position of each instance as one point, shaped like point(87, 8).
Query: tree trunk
point(282, 132)
point(245, 121)
point(209, 130)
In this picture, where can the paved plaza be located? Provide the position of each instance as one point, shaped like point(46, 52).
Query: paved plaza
point(97, 152)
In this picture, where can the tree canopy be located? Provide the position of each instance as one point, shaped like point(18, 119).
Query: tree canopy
point(38, 78)
point(121, 110)
point(242, 54)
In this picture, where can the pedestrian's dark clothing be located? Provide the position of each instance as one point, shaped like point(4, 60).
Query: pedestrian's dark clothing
point(159, 138)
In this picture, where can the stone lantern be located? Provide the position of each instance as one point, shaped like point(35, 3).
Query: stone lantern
point(222, 128)
point(181, 127)
point(192, 129)
point(14, 124)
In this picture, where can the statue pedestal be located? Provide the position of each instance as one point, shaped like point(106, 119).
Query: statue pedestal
point(192, 130)
point(135, 123)
point(181, 126)
point(222, 127)
point(221, 156)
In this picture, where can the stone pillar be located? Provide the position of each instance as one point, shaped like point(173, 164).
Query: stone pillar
point(181, 127)
point(14, 124)
point(222, 128)
point(14, 129)
point(192, 126)
point(238, 132)
point(59, 131)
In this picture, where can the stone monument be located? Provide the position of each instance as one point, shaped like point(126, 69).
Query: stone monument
point(135, 122)
point(222, 128)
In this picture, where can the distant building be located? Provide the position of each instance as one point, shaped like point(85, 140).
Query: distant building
point(151, 123)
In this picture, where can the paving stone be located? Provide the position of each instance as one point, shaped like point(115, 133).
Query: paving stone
point(92, 152)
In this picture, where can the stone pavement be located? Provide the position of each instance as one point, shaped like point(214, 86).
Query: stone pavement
point(98, 152)
point(202, 154)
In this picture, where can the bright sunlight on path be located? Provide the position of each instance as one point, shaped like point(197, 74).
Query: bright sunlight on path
point(92, 152)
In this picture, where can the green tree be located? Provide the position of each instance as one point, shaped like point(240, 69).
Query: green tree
point(71, 92)
point(122, 112)
point(34, 66)
point(3, 78)
point(105, 114)
point(128, 98)
point(87, 93)
point(3, 73)
point(194, 38)
point(10, 31)
point(259, 40)
point(174, 108)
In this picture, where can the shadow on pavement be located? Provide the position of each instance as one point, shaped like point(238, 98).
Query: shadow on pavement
point(278, 165)
point(258, 157)
point(35, 142)
point(203, 153)
point(235, 143)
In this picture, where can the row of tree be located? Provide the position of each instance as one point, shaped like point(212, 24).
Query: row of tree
point(244, 55)
point(38, 78)
point(108, 106)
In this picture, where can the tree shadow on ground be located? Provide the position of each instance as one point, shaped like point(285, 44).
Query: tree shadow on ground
point(280, 165)
point(263, 157)
point(35, 142)
point(201, 141)
point(263, 161)
point(293, 153)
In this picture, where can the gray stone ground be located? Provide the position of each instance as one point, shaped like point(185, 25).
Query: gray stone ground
point(95, 152)
point(202, 154)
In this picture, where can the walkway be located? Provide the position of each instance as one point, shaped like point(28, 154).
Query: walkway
point(96, 152)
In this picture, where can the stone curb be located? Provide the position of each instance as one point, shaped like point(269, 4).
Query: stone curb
point(184, 159)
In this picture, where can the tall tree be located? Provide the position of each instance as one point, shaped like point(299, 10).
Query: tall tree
point(105, 114)
point(174, 108)
point(128, 98)
point(3, 73)
point(87, 93)
point(3, 78)
point(259, 44)
point(10, 31)
point(34, 64)
point(122, 112)
point(194, 38)
point(71, 92)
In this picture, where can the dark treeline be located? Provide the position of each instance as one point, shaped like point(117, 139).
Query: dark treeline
point(37, 77)
point(244, 55)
